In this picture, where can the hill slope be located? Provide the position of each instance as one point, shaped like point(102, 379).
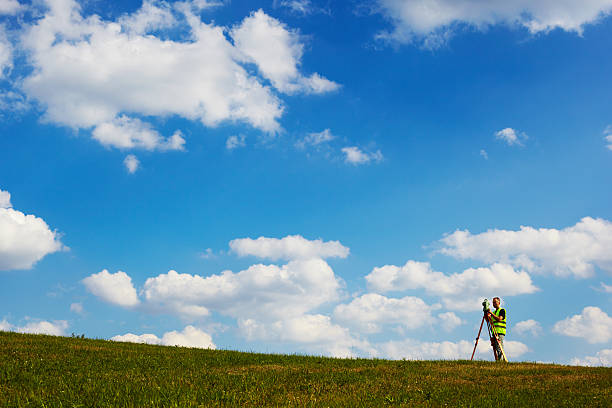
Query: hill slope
point(38, 370)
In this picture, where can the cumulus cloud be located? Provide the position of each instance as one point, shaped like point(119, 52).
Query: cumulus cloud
point(5, 199)
point(128, 133)
point(289, 247)
point(608, 136)
point(315, 333)
point(484, 154)
point(511, 137)
point(55, 328)
point(277, 52)
point(356, 156)
point(602, 358)
point(315, 139)
point(24, 239)
point(572, 251)
point(369, 312)
point(528, 327)
point(462, 290)
point(260, 292)
point(5, 326)
point(432, 22)
point(114, 288)
point(112, 76)
point(593, 324)
point(235, 141)
point(411, 349)
point(131, 163)
point(448, 321)
point(189, 337)
point(9, 7)
point(152, 16)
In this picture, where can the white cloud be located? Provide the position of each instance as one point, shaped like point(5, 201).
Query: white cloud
point(24, 239)
point(189, 337)
point(6, 53)
point(354, 155)
point(608, 136)
point(484, 154)
point(602, 358)
point(77, 308)
point(153, 15)
point(606, 288)
point(5, 326)
point(448, 321)
point(303, 7)
point(131, 163)
point(369, 312)
point(315, 333)
point(411, 349)
point(570, 251)
point(92, 73)
point(289, 247)
point(128, 133)
point(528, 327)
point(461, 291)
point(593, 324)
point(55, 328)
point(207, 254)
point(9, 7)
point(137, 338)
point(315, 139)
point(200, 5)
point(432, 22)
point(234, 142)
point(277, 51)
point(5, 199)
point(511, 137)
point(262, 292)
point(115, 288)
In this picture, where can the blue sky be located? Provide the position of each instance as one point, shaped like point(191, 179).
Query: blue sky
point(318, 177)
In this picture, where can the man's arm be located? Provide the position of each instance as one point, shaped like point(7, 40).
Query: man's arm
point(499, 318)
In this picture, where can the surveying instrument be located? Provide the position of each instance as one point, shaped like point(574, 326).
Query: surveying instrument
point(492, 334)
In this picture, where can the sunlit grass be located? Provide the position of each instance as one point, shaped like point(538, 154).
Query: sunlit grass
point(45, 371)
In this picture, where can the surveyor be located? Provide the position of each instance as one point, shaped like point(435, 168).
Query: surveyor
point(498, 318)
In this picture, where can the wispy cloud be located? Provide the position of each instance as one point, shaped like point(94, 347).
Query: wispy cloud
point(608, 136)
point(131, 163)
point(511, 137)
point(235, 141)
point(355, 156)
point(432, 23)
point(315, 139)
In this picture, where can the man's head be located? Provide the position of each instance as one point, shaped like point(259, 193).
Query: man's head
point(496, 302)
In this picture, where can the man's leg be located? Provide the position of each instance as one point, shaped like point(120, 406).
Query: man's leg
point(499, 346)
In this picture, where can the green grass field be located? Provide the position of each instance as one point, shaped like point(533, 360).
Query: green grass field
point(46, 371)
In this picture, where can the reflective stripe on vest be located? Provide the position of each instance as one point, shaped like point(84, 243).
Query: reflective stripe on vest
point(500, 327)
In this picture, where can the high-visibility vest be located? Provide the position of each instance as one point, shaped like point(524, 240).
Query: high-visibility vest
point(500, 326)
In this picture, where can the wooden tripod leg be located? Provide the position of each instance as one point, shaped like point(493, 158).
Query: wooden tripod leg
point(491, 338)
point(477, 337)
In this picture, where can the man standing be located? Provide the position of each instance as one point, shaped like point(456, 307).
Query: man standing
point(498, 317)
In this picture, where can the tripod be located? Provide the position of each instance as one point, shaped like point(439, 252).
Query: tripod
point(492, 336)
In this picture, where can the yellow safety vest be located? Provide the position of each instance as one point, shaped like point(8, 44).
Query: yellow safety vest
point(500, 326)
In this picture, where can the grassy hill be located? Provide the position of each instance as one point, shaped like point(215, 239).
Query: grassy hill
point(45, 371)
